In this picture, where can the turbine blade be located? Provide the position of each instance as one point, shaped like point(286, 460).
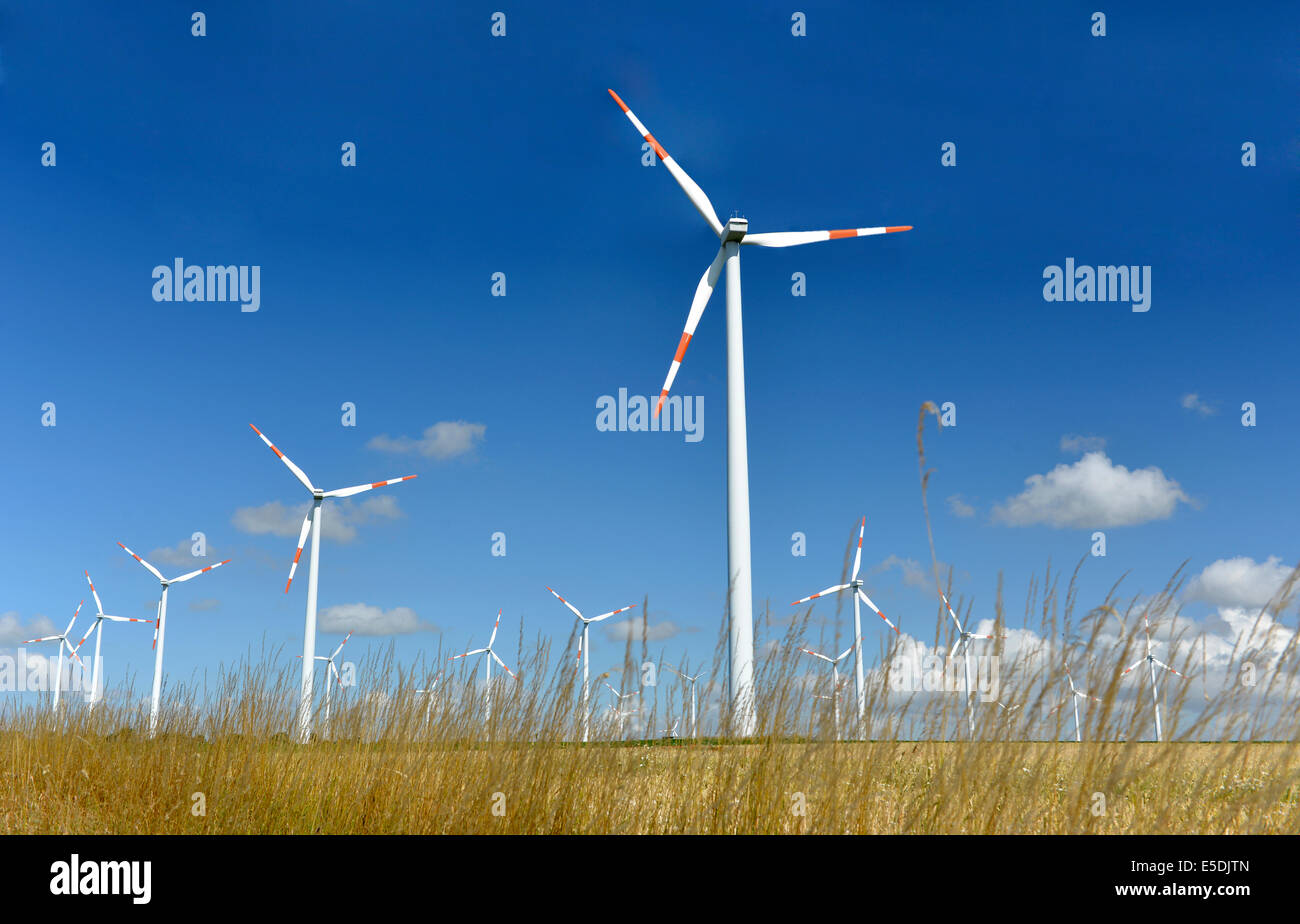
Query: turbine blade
point(152, 570)
point(703, 292)
point(339, 650)
point(73, 619)
point(875, 609)
point(857, 559)
point(1160, 663)
point(816, 654)
point(467, 654)
point(571, 607)
point(794, 238)
point(44, 638)
point(502, 663)
point(194, 574)
point(689, 186)
point(302, 540)
point(88, 631)
point(99, 607)
point(297, 472)
point(357, 489)
point(821, 593)
point(72, 652)
point(612, 613)
point(845, 653)
point(497, 625)
point(123, 618)
point(951, 613)
point(1133, 665)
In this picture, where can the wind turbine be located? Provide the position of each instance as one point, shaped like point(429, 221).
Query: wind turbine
point(584, 654)
point(835, 678)
point(962, 645)
point(491, 656)
point(98, 628)
point(428, 699)
point(691, 681)
point(331, 673)
point(859, 596)
point(312, 521)
point(1075, 695)
point(739, 584)
point(1152, 662)
point(618, 710)
point(160, 629)
point(62, 639)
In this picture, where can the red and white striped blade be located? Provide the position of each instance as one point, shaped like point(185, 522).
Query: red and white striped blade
point(1160, 663)
point(99, 607)
point(93, 623)
point(794, 238)
point(302, 540)
point(194, 574)
point(703, 291)
point(333, 670)
point(822, 593)
point(357, 489)
point(123, 618)
point(689, 186)
point(157, 621)
point(1057, 706)
point(857, 559)
point(72, 652)
point(467, 654)
point(1133, 665)
point(877, 610)
point(502, 663)
point(339, 650)
point(845, 653)
point(43, 638)
point(78, 613)
point(297, 472)
point(152, 570)
point(816, 654)
point(496, 625)
point(571, 607)
point(623, 609)
point(951, 613)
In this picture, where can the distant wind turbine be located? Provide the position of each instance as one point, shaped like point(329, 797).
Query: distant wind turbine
point(312, 521)
point(491, 656)
point(584, 655)
point(331, 674)
point(160, 630)
point(835, 678)
point(691, 681)
point(1073, 698)
point(1152, 663)
point(98, 628)
point(62, 639)
point(962, 647)
point(739, 582)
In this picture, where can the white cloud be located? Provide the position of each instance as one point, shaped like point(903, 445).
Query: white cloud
point(208, 603)
point(1239, 582)
point(630, 630)
point(341, 518)
point(1074, 443)
point(444, 440)
point(13, 631)
point(959, 507)
point(1192, 402)
point(180, 555)
point(364, 619)
point(1093, 492)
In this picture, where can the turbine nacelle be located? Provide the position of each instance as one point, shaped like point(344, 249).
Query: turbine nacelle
point(735, 229)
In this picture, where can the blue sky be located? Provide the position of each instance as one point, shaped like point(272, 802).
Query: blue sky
point(478, 155)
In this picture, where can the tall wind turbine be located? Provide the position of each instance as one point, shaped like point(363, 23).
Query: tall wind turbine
point(160, 630)
point(98, 628)
point(584, 655)
point(63, 643)
point(691, 681)
point(1152, 663)
point(740, 607)
point(962, 647)
point(859, 596)
point(312, 521)
point(835, 678)
point(1073, 698)
point(491, 656)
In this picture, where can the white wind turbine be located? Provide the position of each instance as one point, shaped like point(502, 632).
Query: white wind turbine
point(491, 656)
point(739, 585)
point(1153, 662)
point(1073, 698)
point(835, 679)
point(312, 521)
point(962, 645)
point(584, 655)
point(859, 596)
point(428, 694)
point(331, 673)
point(691, 681)
point(98, 628)
point(619, 712)
point(160, 630)
point(62, 639)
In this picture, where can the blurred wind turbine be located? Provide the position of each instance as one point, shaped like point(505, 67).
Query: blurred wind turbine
point(584, 655)
point(962, 646)
point(491, 656)
point(98, 628)
point(331, 673)
point(835, 679)
point(312, 521)
point(63, 643)
point(428, 699)
point(739, 583)
point(855, 587)
point(160, 630)
point(691, 681)
point(1152, 662)
point(618, 710)
point(1075, 695)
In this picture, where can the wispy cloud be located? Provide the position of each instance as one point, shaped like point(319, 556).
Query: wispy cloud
point(444, 440)
point(180, 555)
point(959, 507)
point(1074, 443)
point(364, 619)
point(1192, 402)
point(630, 630)
point(1093, 492)
point(339, 524)
point(204, 605)
point(13, 630)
